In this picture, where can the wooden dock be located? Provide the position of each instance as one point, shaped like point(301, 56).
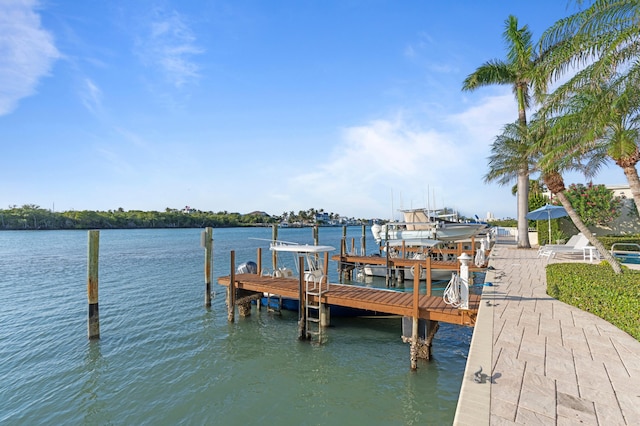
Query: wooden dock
point(384, 301)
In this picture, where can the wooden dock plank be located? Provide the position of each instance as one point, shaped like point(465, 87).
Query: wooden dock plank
point(372, 299)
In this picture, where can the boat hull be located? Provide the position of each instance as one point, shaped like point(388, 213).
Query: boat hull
point(380, 271)
point(289, 304)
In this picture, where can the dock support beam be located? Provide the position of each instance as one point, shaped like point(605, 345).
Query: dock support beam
point(92, 284)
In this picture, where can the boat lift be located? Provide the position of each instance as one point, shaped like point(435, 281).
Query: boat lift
point(312, 314)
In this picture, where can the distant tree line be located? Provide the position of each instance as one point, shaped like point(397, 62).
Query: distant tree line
point(31, 216)
point(34, 217)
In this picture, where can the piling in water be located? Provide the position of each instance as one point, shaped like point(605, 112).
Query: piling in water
point(92, 284)
point(208, 255)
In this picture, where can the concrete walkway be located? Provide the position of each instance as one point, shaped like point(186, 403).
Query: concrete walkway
point(543, 361)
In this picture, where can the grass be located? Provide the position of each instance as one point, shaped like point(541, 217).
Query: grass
point(598, 290)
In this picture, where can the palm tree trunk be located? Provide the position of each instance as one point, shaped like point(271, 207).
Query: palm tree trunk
point(523, 209)
point(634, 184)
point(523, 178)
point(615, 265)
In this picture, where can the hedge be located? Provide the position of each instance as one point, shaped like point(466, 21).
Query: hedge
point(598, 290)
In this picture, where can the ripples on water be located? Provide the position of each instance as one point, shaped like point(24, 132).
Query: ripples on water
point(163, 358)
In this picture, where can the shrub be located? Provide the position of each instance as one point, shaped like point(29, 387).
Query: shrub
point(598, 290)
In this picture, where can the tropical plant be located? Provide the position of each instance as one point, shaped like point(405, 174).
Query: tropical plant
point(511, 154)
point(547, 136)
point(518, 71)
point(599, 46)
point(595, 204)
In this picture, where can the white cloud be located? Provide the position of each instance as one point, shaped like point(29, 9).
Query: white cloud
point(91, 96)
point(485, 120)
point(404, 157)
point(170, 44)
point(27, 51)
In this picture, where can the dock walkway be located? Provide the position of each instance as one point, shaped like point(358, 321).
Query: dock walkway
point(543, 361)
point(372, 299)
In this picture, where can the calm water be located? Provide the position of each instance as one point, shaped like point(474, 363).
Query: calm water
point(164, 359)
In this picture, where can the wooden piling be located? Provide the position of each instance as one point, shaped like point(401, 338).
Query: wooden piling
point(302, 314)
point(259, 261)
point(316, 239)
point(259, 271)
point(231, 290)
point(92, 284)
point(208, 256)
point(387, 267)
point(274, 254)
point(363, 243)
point(343, 253)
point(428, 276)
point(416, 312)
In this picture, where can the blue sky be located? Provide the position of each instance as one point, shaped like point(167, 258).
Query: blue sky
point(351, 106)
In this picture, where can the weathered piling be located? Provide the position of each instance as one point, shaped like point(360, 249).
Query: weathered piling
point(302, 317)
point(415, 319)
point(363, 241)
point(231, 290)
point(342, 267)
point(92, 284)
point(274, 254)
point(207, 243)
point(259, 270)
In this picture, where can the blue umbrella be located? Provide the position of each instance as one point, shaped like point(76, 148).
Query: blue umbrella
point(547, 212)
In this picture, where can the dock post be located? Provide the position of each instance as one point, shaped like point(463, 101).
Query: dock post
point(274, 254)
point(259, 261)
point(315, 235)
point(363, 242)
point(325, 314)
point(387, 267)
point(302, 320)
point(92, 284)
point(343, 253)
point(231, 290)
point(428, 276)
point(259, 271)
point(464, 259)
point(416, 312)
point(207, 242)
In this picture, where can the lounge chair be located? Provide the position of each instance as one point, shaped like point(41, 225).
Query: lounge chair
point(576, 245)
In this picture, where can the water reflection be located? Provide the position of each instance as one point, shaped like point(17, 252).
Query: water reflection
point(93, 403)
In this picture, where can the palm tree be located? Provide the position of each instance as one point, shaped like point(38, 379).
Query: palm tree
point(510, 154)
point(549, 137)
point(518, 70)
point(554, 181)
point(603, 40)
point(611, 127)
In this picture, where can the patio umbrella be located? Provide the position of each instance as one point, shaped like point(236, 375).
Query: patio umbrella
point(547, 212)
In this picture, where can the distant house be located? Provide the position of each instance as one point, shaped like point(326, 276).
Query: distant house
point(322, 217)
point(188, 210)
point(258, 213)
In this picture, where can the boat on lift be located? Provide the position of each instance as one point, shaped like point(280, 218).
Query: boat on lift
point(420, 223)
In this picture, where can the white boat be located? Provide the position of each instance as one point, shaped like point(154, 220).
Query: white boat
point(381, 271)
point(419, 248)
point(419, 223)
